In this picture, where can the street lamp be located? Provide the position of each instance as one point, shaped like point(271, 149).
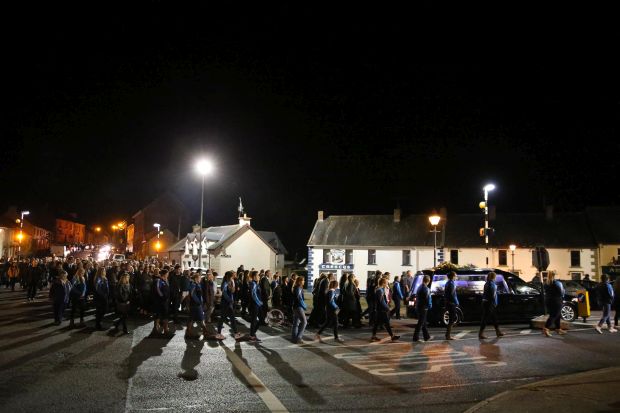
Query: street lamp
point(157, 245)
point(204, 167)
point(434, 220)
point(487, 188)
point(513, 247)
point(21, 235)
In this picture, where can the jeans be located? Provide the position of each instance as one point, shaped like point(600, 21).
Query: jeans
point(59, 308)
point(606, 315)
point(299, 323)
point(489, 315)
point(227, 312)
point(330, 319)
point(383, 318)
point(555, 314)
point(254, 311)
point(396, 310)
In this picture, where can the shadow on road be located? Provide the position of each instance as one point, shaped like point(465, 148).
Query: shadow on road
point(191, 358)
point(144, 350)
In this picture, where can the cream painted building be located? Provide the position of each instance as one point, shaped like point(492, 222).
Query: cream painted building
point(227, 247)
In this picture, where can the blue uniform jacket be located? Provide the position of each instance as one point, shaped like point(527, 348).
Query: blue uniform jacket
point(195, 292)
point(381, 299)
point(398, 292)
point(79, 288)
point(490, 292)
point(450, 293)
point(331, 300)
point(102, 288)
point(255, 294)
point(298, 299)
point(227, 295)
point(423, 298)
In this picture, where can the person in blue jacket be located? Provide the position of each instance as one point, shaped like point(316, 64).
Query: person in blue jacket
point(299, 311)
point(606, 297)
point(382, 309)
point(452, 303)
point(101, 296)
point(161, 304)
point(424, 302)
point(554, 295)
point(489, 306)
point(331, 312)
point(197, 314)
point(397, 296)
point(255, 306)
point(227, 310)
point(78, 297)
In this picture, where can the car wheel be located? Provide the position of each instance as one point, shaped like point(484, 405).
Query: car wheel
point(568, 313)
point(446, 318)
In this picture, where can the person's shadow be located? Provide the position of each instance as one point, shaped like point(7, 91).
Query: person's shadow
point(191, 358)
point(143, 351)
point(491, 350)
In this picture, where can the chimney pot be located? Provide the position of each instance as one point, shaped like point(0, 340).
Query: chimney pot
point(320, 216)
point(397, 215)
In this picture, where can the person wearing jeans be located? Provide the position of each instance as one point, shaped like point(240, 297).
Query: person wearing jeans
point(299, 311)
point(606, 297)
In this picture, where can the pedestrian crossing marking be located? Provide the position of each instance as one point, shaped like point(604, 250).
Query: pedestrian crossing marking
point(462, 334)
point(432, 361)
point(524, 332)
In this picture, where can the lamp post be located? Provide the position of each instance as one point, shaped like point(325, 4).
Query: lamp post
point(203, 167)
point(157, 244)
point(487, 188)
point(513, 247)
point(21, 235)
point(434, 220)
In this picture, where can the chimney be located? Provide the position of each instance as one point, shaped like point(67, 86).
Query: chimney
point(244, 220)
point(549, 212)
point(196, 229)
point(320, 216)
point(397, 215)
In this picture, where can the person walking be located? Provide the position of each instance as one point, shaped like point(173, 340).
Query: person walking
point(452, 303)
point(245, 291)
point(489, 307)
point(101, 296)
point(59, 293)
point(299, 312)
point(349, 306)
point(314, 314)
point(424, 302)
point(227, 310)
point(196, 302)
point(383, 311)
point(123, 301)
point(331, 312)
point(161, 305)
point(208, 294)
point(78, 297)
point(554, 295)
point(397, 297)
point(174, 281)
point(13, 274)
point(255, 306)
point(37, 272)
point(606, 298)
point(265, 291)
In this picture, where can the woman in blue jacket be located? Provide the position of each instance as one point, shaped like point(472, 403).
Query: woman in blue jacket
point(197, 314)
point(59, 293)
point(227, 309)
point(331, 310)
point(255, 305)
point(397, 296)
point(606, 297)
point(299, 311)
point(78, 297)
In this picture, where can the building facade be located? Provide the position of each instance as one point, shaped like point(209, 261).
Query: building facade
point(69, 232)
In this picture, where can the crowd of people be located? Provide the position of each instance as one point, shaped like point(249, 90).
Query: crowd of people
point(165, 292)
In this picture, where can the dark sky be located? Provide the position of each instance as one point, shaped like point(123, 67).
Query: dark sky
point(300, 111)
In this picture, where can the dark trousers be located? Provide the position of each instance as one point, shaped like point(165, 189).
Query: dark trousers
point(32, 290)
point(227, 312)
point(451, 307)
point(422, 315)
point(396, 310)
point(122, 318)
point(101, 307)
point(175, 302)
point(12, 282)
point(59, 308)
point(330, 319)
point(78, 305)
point(555, 315)
point(372, 312)
point(383, 319)
point(263, 311)
point(489, 315)
point(254, 312)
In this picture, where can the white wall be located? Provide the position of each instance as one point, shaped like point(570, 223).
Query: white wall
point(249, 250)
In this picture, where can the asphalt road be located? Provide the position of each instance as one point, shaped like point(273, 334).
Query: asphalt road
point(48, 368)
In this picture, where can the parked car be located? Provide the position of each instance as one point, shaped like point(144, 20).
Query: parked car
point(571, 288)
point(518, 301)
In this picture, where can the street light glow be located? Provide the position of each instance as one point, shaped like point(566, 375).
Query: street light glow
point(489, 187)
point(20, 236)
point(204, 167)
point(434, 219)
point(25, 212)
point(513, 247)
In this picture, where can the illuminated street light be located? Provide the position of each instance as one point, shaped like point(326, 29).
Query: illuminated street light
point(20, 236)
point(97, 229)
point(204, 168)
point(434, 220)
point(513, 247)
point(487, 188)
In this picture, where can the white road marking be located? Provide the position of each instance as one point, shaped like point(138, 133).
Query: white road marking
point(462, 334)
point(528, 331)
point(270, 400)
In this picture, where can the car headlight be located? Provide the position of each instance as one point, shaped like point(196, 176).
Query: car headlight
point(575, 300)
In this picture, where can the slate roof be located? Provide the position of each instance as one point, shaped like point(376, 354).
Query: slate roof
point(566, 230)
point(219, 235)
point(373, 230)
point(605, 224)
point(272, 239)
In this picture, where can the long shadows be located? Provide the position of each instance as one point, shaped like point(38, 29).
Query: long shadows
point(147, 348)
point(191, 358)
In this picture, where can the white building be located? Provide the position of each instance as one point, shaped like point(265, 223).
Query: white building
point(362, 244)
point(227, 247)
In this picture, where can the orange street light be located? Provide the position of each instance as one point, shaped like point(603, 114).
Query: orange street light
point(20, 236)
point(97, 229)
point(114, 227)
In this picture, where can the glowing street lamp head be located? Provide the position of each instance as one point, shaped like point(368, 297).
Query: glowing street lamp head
point(114, 227)
point(98, 229)
point(157, 226)
point(204, 167)
point(434, 219)
point(513, 247)
point(25, 212)
point(158, 245)
point(20, 236)
point(489, 187)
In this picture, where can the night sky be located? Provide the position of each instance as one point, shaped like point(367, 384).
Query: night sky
point(300, 112)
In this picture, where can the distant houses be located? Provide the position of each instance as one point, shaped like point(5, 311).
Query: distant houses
point(578, 243)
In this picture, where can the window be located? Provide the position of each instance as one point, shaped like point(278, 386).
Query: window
point(406, 257)
point(503, 258)
point(454, 256)
point(325, 256)
point(576, 276)
point(575, 258)
point(372, 257)
point(348, 257)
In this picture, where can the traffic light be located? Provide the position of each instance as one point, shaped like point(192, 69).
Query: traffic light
point(489, 232)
